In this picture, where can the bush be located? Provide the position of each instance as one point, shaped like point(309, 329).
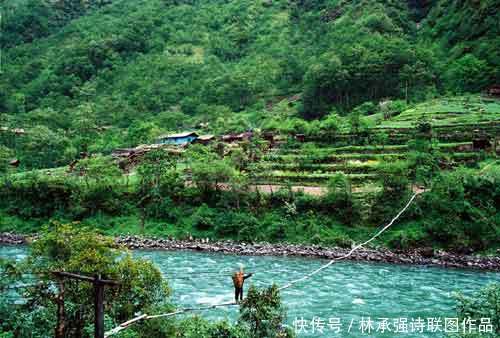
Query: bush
point(483, 304)
point(240, 224)
point(367, 108)
point(274, 226)
point(36, 195)
point(263, 313)
point(395, 187)
point(203, 218)
point(410, 236)
point(393, 108)
point(340, 198)
point(461, 210)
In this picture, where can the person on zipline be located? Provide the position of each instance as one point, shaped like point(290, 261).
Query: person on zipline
point(238, 280)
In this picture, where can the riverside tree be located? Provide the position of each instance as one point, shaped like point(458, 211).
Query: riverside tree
point(71, 248)
point(158, 178)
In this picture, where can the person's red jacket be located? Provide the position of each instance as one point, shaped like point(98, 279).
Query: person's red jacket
point(239, 279)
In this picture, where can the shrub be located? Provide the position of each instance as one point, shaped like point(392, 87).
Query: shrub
point(461, 210)
point(410, 236)
point(340, 198)
point(238, 224)
point(483, 304)
point(367, 108)
point(203, 218)
point(263, 313)
point(36, 196)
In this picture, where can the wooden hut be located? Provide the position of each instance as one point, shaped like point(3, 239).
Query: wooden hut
point(204, 139)
point(494, 91)
point(231, 138)
point(15, 163)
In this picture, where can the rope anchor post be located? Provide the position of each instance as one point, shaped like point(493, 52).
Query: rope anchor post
point(99, 285)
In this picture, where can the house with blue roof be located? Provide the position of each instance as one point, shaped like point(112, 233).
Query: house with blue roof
point(177, 139)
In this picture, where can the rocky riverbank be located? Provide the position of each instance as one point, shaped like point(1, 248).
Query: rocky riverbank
point(422, 256)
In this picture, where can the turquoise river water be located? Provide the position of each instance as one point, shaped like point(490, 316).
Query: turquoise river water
point(349, 299)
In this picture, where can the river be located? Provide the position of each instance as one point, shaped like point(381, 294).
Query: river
point(351, 293)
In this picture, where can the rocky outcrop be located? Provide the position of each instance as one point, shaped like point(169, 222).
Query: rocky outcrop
point(421, 256)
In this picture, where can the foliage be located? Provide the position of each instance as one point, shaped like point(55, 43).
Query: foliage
point(461, 212)
point(484, 304)
point(263, 314)
point(158, 178)
point(99, 169)
point(208, 171)
point(99, 75)
point(203, 218)
point(340, 197)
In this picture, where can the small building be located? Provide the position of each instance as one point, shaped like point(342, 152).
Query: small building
point(204, 139)
point(494, 91)
point(268, 136)
point(177, 139)
point(230, 138)
point(300, 137)
point(16, 131)
point(123, 152)
point(15, 163)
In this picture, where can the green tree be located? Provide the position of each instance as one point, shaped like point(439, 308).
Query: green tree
point(467, 74)
point(158, 178)
point(101, 170)
point(6, 155)
point(263, 313)
point(65, 247)
point(482, 305)
point(340, 196)
point(43, 148)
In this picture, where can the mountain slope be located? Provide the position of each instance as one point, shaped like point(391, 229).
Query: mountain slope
point(141, 67)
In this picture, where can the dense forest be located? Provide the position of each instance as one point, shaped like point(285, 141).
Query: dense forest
point(97, 75)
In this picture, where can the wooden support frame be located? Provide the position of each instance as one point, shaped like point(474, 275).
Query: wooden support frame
point(99, 285)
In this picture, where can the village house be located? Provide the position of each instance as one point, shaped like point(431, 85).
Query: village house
point(177, 139)
point(229, 138)
point(494, 90)
point(204, 139)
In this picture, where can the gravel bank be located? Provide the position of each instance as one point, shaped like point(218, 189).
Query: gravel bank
point(422, 256)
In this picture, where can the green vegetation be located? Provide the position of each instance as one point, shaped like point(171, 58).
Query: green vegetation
point(483, 304)
point(220, 200)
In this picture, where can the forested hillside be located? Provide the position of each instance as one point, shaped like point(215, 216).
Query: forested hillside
point(467, 36)
point(96, 75)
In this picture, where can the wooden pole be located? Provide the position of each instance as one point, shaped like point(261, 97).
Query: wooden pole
point(99, 285)
point(99, 307)
point(60, 310)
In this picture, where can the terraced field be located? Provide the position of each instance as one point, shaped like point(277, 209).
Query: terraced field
point(456, 123)
point(451, 112)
